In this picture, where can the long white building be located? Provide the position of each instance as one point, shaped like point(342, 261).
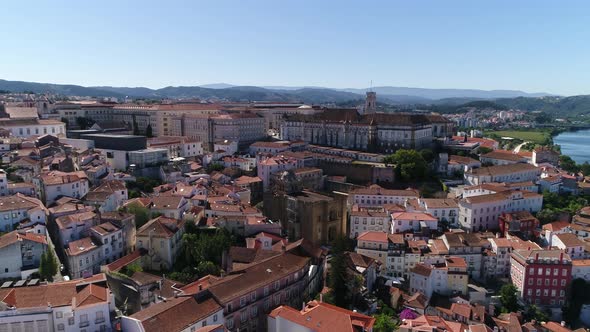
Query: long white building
point(481, 212)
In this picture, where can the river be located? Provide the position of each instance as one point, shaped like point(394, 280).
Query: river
point(575, 144)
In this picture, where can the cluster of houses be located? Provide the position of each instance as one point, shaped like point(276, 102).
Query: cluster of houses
point(79, 196)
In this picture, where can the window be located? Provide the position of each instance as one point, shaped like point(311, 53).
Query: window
point(230, 323)
point(253, 297)
point(563, 282)
point(71, 321)
point(242, 301)
point(265, 290)
point(215, 317)
point(277, 285)
point(254, 311)
point(59, 314)
point(243, 316)
point(99, 317)
point(61, 327)
point(564, 272)
point(530, 282)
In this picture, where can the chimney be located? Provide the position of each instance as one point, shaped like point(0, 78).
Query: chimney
point(321, 297)
point(563, 323)
point(561, 257)
point(175, 294)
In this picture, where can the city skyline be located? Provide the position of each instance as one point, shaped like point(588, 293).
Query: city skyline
point(528, 46)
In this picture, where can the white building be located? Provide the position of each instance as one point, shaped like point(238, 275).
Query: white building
point(178, 146)
point(20, 254)
point(364, 221)
point(184, 313)
point(503, 173)
point(108, 196)
point(318, 317)
point(569, 243)
point(20, 210)
point(162, 238)
point(75, 306)
point(84, 257)
point(268, 166)
point(111, 240)
point(52, 185)
point(412, 222)
point(376, 195)
point(33, 127)
point(481, 212)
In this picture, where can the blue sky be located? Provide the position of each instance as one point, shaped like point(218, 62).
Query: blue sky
point(536, 46)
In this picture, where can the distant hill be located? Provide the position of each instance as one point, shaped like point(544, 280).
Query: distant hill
point(313, 95)
point(562, 106)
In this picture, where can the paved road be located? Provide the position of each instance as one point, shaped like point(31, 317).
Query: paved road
point(517, 148)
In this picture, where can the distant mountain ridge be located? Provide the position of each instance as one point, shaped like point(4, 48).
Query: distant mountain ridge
point(310, 94)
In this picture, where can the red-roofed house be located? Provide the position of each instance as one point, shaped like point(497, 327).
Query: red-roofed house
point(162, 238)
point(70, 306)
point(20, 253)
point(318, 317)
point(412, 221)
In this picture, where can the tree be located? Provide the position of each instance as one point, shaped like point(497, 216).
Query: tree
point(533, 312)
point(578, 294)
point(142, 214)
point(409, 164)
point(149, 131)
point(508, 298)
point(384, 323)
point(338, 275)
point(130, 269)
point(427, 155)
point(385, 318)
point(48, 265)
point(568, 164)
point(585, 168)
point(546, 216)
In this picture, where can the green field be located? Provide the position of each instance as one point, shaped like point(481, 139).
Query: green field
point(538, 137)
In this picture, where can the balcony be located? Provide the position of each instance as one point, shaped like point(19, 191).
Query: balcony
point(84, 324)
point(99, 320)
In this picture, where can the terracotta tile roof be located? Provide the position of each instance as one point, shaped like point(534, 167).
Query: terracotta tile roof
point(161, 227)
point(14, 237)
point(125, 260)
point(503, 155)
point(415, 216)
point(373, 236)
point(199, 285)
point(422, 269)
point(417, 300)
point(69, 220)
point(570, 240)
point(176, 314)
point(90, 294)
point(378, 190)
point(80, 246)
point(440, 203)
point(19, 202)
point(503, 169)
point(455, 262)
point(320, 317)
point(105, 228)
point(256, 276)
point(57, 177)
point(555, 327)
point(55, 294)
